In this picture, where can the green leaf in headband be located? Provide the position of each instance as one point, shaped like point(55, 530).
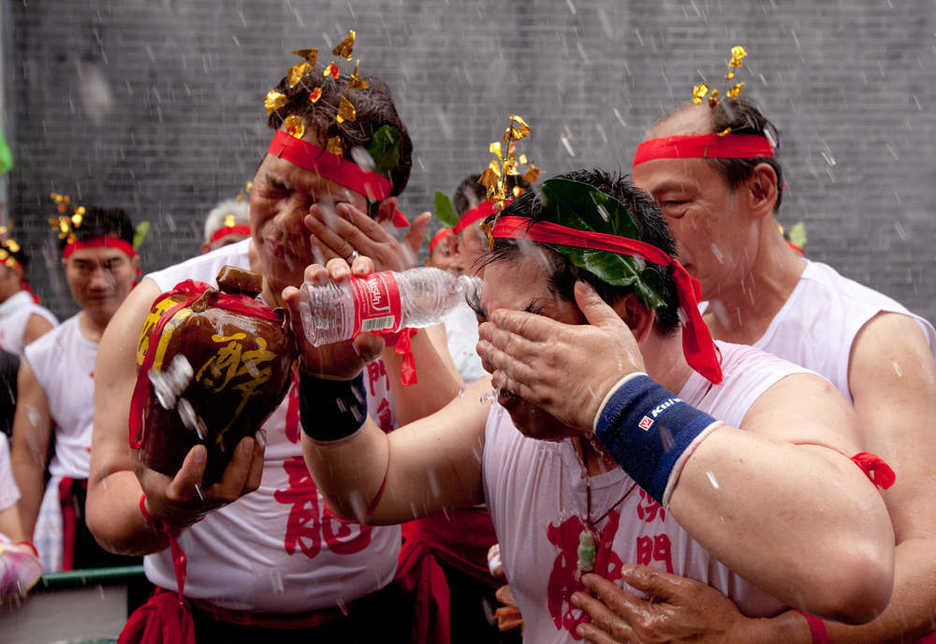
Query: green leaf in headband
point(384, 149)
point(6, 157)
point(139, 234)
point(444, 210)
point(578, 205)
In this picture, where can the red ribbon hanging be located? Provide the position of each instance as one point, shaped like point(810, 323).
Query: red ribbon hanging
point(704, 146)
point(698, 346)
point(334, 168)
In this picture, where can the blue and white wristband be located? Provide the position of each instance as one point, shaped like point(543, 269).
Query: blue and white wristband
point(331, 410)
point(650, 432)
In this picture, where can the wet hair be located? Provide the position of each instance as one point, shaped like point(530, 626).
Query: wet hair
point(470, 193)
point(102, 222)
point(646, 216)
point(373, 106)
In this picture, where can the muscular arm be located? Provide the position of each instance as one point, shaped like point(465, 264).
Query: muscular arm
point(36, 326)
point(31, 435)
point(113, 514)
point(826, 533)
point(430, 464)
point(893, 383)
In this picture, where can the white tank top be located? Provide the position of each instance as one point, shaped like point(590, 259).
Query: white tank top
point(63, 361)
point(15, 312)
point(819, 321)
point(9, 492)
point(537, 498)
point(461, 334)
point(278, 550)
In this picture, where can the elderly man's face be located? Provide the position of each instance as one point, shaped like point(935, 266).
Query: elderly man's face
point(708, 220)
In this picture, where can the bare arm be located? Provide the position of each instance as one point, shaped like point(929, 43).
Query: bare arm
point(31, 435)
point(430, 464)
point(893, 383)
point(36, 327)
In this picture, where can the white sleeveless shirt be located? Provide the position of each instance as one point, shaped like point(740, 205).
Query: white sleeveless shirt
point(278, 550)
point(9, 492)
point(63, 361)
point(817, 325)
point(537, 498)
point(15, 312)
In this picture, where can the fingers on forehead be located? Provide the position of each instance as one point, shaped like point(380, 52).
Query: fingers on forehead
point(528, 325)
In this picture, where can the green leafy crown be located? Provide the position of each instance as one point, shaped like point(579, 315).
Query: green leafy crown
point(384, 149)
point(578, 205)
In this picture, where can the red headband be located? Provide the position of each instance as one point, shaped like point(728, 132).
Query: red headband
point(704, 146)
point(334, 168)
point(100, 242)
point(224, 231)
point(698, 346)
point(479, 213)
point(439, 236)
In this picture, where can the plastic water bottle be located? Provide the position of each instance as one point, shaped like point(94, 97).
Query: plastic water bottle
point(388, 301)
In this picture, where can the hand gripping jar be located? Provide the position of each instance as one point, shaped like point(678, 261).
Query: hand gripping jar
point(213, 365)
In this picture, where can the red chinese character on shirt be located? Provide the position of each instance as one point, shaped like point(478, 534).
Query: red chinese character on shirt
point(375, 371)
point(655, 549)
point(566, 578)
point(307, 527)
point(648, 508)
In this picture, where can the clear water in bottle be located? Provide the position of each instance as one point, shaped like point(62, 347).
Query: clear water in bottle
point(387, 301)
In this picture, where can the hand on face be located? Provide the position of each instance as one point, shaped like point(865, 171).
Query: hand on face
point(678, 610)
point(341, 231)
point(177, 502)
point(342, 360)
point(564, 370)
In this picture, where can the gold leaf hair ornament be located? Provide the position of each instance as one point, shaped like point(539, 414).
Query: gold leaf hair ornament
point(294, 124)
point(703, 90)
point(8, 247)
point(66, 223)
point(506, 163)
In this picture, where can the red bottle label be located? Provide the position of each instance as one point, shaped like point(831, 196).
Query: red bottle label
point(377, 305)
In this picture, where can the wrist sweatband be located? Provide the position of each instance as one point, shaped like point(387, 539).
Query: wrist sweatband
point(330, 410)
point(650, 432)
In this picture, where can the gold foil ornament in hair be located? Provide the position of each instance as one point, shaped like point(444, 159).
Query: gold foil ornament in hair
point(344, 48)
point(296, 72)
point(61, 201)
point(334, 145)
point(310, 55)
point(332, 70)
point(700, 91)
point(355, 81)
point(737, 55)
point(315, 95)
point(505, 163)
point(294, 126)
point(273, 101)
point(229, 221)
point(66, 224)
point(346, 111)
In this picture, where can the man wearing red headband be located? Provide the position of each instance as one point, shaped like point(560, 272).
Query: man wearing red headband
point(56, 393)
point(264, 556)
point(227, 223)
point(22, 319)
point(472, 208)
point(635, 473)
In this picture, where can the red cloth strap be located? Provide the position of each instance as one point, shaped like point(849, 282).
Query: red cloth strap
point(334, 168)
point(26, 288)
point(479, 213)
point(224, 231)
point(817, 628)
point(704, 146)
point(875, 468)
point(698, 347)
point(69, 521)
point(439, 236)
point(401, 342)
point(159, 620)
point(105, 241)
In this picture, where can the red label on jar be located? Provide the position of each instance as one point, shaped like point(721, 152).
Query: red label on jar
point(377, 305)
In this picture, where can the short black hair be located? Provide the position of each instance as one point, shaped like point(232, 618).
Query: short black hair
point(374, 108)
point(102, 222)
point(646, 216)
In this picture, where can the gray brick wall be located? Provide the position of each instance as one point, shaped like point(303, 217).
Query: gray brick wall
point(850, 83)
